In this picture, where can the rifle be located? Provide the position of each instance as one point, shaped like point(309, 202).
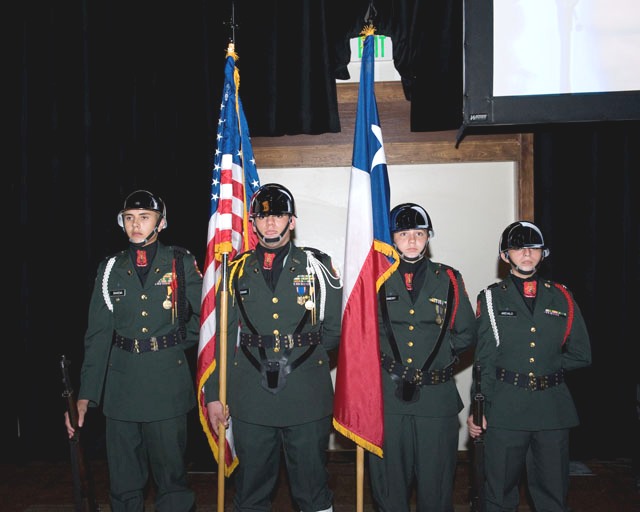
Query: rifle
point(477, 494)
point(83, 488)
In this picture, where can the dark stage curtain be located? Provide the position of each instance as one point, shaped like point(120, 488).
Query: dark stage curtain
point(586, 202)
point(106, 97)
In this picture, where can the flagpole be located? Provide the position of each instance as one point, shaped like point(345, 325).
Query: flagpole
point(359, 478)
point(224, 300)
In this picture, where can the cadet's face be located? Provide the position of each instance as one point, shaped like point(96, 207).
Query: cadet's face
point(411, 242)
point(271, 226)
point(526, 259)
point(139, 224)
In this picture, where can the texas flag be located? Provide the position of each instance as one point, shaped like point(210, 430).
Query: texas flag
point(369, 260)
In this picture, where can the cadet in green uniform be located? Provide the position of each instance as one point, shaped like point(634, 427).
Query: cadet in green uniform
point(287, 303)
point(530, 333)
point(144, 313)
point(426, 320)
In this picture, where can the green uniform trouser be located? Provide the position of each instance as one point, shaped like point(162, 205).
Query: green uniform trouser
point(420, 448)
point(544, 453)
point(305, 453)
point(132, 447)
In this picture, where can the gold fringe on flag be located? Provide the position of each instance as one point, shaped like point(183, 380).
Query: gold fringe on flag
point(357, 439)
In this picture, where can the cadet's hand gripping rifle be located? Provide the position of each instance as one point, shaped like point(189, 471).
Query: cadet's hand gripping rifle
point(83, 491)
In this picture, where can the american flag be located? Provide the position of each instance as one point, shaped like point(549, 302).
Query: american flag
point(369, 260)
point(234, 180)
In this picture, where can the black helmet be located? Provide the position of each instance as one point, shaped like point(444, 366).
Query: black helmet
point(143, 200)
point(521, 234)
point(410, 216)
point(272, 199)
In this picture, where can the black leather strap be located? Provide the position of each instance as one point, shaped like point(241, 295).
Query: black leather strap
point(530, 382)
point(288, 347)
point(304, 339)
point(152, 344)
point(382, 299)
point(415, 375)
point(183, 306)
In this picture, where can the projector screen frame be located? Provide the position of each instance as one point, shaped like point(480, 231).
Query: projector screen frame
point(482, 108)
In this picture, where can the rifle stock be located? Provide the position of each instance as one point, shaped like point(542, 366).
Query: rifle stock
point(477, 500)
point(83, 488)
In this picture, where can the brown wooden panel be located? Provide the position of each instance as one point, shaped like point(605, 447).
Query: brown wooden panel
point(402, 146)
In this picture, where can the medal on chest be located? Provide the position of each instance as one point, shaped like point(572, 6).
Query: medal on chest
point(441, 307)
point(306, 293)
point(167, 304)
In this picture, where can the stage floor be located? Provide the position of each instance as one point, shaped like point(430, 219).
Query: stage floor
point(596, 486)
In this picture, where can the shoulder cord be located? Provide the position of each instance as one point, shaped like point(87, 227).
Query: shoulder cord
point(178, 255)
point(570, 313)
point(235, 267)
point(317, 268)
point(456, 295)
point(105, 283)
point(492, 315)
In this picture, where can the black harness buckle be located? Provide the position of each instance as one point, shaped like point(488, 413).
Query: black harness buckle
point(274, 375)
point(407, 391)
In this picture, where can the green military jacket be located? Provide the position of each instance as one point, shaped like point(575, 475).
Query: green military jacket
point(308, 392)
point(145, 386)
point(416, 327)
point(530, 343)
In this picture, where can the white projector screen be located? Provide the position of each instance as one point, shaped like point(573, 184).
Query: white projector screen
point(565, 46)
point(551, 61)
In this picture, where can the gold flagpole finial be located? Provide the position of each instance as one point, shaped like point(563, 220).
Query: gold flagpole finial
point(231, 51)
point(368, 30)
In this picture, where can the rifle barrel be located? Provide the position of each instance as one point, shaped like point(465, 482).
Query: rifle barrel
point(83, 488)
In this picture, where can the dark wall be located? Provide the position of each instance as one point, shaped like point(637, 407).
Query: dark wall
point(586, 189)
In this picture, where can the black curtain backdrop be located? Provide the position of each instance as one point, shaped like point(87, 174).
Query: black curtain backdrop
point(107, 97)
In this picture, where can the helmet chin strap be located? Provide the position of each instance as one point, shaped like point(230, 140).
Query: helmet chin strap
point(520, 270)
point(146, 240)
point(415, 259)
point(524, 272)
point(273, 240)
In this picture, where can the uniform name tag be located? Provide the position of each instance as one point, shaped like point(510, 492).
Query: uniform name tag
point(392, 298)
point(117, 293)
point(244, 291)
point(507, 313)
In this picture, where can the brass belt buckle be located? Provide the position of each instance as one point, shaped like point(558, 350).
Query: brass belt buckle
point(532, 383)
point(136, 346)
point(544, 383)
point(154, 344)
point(276, 346)
point(288, 341)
